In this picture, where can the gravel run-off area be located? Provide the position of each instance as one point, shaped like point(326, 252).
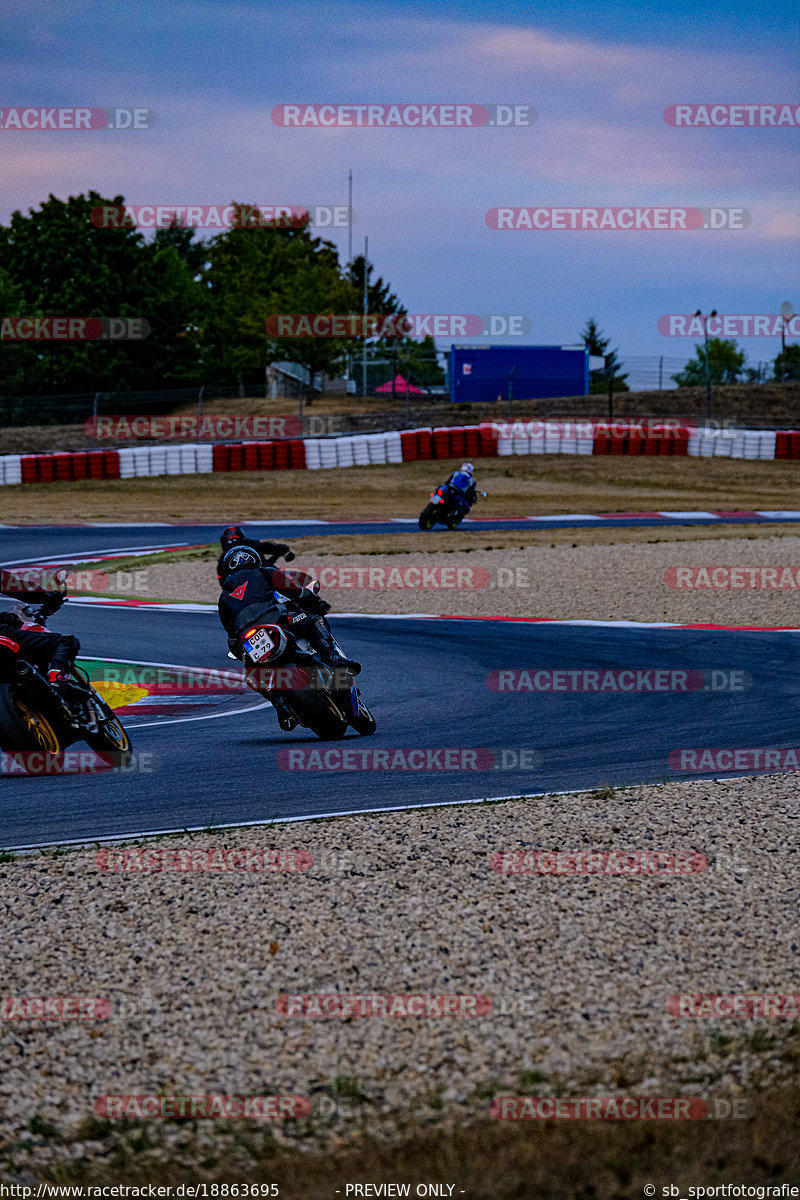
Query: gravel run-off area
point(579, 969)
point(624, 582)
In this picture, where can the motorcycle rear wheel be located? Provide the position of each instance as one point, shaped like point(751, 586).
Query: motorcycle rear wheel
point(23, 727)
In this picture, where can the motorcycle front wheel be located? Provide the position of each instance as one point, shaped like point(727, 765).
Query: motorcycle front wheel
point(365, 722)
point(319, 713)
point(111, 734)
point(427, 518)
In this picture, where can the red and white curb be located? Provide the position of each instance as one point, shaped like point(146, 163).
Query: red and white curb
point(487, 440)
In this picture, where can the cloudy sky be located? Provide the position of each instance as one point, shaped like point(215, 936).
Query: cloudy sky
point(599, 76)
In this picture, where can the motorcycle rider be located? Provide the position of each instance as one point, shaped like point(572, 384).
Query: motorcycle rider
point(247, 585)
point(233, 536)
point(463, 484)
point(53, 653)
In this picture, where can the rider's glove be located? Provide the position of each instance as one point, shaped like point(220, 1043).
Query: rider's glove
point(312, 603)
point(288, 555)
point(56, 676)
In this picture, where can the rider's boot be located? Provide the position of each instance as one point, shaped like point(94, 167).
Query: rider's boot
point(326, 645)
point(286, 719)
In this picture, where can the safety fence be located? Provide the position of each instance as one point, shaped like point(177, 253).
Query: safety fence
point(489, 440)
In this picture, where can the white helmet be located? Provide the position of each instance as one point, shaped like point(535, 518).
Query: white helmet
point(467, 468)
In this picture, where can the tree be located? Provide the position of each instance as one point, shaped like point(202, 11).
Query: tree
point(241, 279)
point(380, 298)
point(316, 285)
point(170, 357)
point(787, 363)
point(181, 238)
point(18, 360)
point(598, 345)
point(63, 265)
point(415, 359)
point(418, 362)
point(725, 363)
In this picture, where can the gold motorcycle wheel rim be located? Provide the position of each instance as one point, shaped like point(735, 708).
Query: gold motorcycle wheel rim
point(38, 727)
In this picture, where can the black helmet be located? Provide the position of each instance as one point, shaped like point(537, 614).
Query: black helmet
point(230, 536)
point(239, 558)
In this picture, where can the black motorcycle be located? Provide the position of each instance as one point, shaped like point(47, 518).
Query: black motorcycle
point(36, 715)
point(281, 662)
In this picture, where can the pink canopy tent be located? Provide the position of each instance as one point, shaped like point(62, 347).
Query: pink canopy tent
point(400, 385)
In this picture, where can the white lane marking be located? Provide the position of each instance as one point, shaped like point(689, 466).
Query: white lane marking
point(356, 616)
point(355, 812)
point(680, 516)
point(147, 662)
point(235, 712)
point(143, 605)
point(94, 556)
point(86, 557)
point(568, 517)
point(777, 514)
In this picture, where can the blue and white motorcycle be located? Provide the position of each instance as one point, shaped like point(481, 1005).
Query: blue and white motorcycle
point(447, 506)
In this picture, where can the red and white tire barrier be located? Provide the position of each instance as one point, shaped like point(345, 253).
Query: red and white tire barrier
point(489, 440)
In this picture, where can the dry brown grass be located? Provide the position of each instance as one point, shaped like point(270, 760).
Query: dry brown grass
point(496, 1161)
point(517, 487)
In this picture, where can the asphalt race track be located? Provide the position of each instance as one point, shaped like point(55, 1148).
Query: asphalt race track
point(18, 542)
point(426, 681)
